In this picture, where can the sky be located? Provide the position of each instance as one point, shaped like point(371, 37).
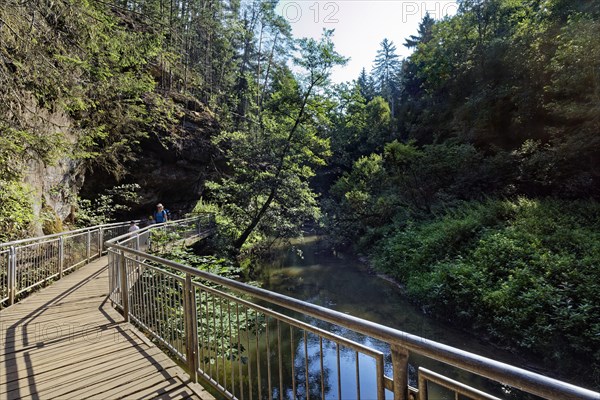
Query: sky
point(361, 25)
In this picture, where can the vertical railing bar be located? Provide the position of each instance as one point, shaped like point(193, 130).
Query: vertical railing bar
point(180, 327)
point(12, 275)
point(144, 297)
point(321, 364)
point(280, 356)
point(165, 311)
point(124, 287)
point(169, 293)
point(160, 324)
point(258, 377)
point(58, 255)
point(133, 293)
point(156, 303)
point(186, 323)
point(223, 343)
point(422, 386)
point(216, 363)
point(201, 330)
point(357, 376)
point(380, 377)
point(88, 245)
point(181, 324)
point(205, 330)
point(33, 272)
point(134, 305)
point(239, 348)
point(65, 246)
point(230, 347)
point(250, 391)
point(293, 356)
point(268, 339)
point(190, 314)
point(400, 366)
point(339, 371)
point(149, 303)
point(144, 293)
point(306, 365)
point(100, 241)
point(172, 319)
point(138, 297)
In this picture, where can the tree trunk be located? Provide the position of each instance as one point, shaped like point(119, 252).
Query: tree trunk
point(250, 228)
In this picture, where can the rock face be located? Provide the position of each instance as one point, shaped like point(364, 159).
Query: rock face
point(54, 186)
point(170, 167)
point(54, 189)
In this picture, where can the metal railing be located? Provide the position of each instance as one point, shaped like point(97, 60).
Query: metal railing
point(31, 263)
point(246, 342)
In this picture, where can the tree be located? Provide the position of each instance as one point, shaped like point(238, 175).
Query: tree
point(424, 33)
point(386, 71)
point(267, 185)
point(366, 85)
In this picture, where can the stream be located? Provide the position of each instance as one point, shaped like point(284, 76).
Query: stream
point(311, 272)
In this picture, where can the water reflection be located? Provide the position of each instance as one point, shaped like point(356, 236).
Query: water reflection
point(309, 272)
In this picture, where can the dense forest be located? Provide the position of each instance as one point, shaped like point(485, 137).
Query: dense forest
point(468, 172)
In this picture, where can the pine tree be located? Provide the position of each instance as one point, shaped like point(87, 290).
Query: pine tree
point(424, 33)
point(387, 72)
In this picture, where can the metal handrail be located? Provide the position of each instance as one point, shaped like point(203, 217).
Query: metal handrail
point(71, 232)
point(127, 259)
point(29, 263)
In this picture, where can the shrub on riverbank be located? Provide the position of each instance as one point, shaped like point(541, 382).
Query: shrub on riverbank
point(525, 272)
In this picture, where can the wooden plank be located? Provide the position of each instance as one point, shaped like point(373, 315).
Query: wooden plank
point(124, 376)
point(66, 341)
point(127, 383)
point(70, 335)
point(23, 365)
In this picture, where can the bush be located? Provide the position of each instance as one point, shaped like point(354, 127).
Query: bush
point(524, 272)
point(16, 210)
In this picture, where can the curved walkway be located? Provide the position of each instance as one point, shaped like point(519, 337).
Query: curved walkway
point(67, 342)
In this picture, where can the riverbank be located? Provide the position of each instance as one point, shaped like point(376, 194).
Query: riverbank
point(523, 274)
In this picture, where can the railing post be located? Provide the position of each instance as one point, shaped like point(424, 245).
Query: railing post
point(137, 247)
point(12, 275)
point(61, 257)
point(100, 242)
point(88, 245)
point(191, 327)
point(124, 285)
point(400, 366)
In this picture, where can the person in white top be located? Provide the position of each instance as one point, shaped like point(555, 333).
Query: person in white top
point(133, 227)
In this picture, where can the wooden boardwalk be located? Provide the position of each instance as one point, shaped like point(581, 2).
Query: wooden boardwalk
point(67, 342)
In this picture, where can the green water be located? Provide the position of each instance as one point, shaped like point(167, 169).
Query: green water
point(310, 271)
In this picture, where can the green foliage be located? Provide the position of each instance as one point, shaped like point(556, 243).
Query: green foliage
point(525, 272)
point(212, 264)
point(16, 210)
point(104, 206)
point(266, 191)
point(407, 181)
point(17, 147)
point(359, 127)
point(214, 312)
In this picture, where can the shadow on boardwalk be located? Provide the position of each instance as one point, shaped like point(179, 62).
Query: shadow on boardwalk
point(67, 341)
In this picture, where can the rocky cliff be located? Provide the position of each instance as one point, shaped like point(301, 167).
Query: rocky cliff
point(169, 166)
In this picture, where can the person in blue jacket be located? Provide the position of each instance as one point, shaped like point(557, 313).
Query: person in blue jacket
point(160, 215)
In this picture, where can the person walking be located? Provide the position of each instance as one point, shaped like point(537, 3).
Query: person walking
point(133, 227)
point(160, 215)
